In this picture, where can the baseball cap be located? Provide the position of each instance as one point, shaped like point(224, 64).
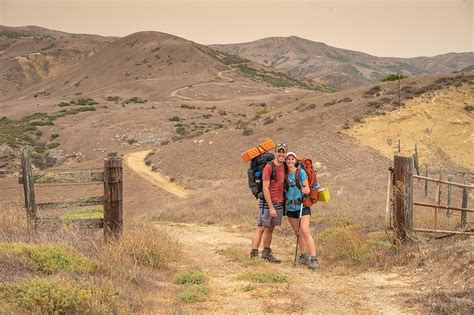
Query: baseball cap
point(291, 153)
point(281, 146)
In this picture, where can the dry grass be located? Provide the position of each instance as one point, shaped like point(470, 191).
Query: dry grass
point(90, 274)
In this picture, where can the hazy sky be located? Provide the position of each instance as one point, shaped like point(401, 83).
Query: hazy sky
point(400, 28)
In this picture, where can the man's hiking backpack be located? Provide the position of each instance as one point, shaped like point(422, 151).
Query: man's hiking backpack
point(255, 173)
point(307, 165)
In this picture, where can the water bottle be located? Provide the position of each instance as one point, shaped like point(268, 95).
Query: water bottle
point(257, 177)
point(313, 195)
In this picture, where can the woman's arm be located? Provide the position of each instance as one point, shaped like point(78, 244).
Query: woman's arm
point(305, 187)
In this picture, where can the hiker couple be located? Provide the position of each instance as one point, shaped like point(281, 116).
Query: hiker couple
point(277, 175)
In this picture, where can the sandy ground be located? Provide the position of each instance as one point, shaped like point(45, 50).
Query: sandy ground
point(325, 291)
point(435, 122)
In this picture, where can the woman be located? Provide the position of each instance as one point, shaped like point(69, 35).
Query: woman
point(294, 199)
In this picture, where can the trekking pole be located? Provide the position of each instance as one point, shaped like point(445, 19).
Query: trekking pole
point(298, 233)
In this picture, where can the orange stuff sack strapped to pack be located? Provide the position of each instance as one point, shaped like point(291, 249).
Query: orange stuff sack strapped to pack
point(307, 165)
point(263, 147)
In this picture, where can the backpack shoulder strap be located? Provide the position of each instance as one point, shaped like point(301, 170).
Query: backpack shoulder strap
point(272, 176)
point(297, 178)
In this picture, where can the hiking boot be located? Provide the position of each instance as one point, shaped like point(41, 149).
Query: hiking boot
point(254, 254)
point(313, 264)
point(303, 259)
point(268, 256)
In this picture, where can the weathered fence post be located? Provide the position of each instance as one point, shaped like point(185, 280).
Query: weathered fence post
point(450, 179)
point(426, 181)
point(113, 197)
point(415, 157)
point(464, 205)
point(388, 223)
point(437, 201)
point(403, 197)
point(28, 186)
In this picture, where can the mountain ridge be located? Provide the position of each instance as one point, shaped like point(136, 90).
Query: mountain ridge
point(337, 67)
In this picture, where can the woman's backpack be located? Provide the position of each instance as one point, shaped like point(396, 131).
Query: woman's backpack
point(307, 165)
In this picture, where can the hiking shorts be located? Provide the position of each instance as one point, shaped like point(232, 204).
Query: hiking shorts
point(264, 217)
point(296, 214)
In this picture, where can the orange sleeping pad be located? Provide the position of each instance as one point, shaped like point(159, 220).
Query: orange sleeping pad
point(263, 147)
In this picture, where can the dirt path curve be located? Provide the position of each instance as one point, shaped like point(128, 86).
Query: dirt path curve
point(323, 291)
point(136, 162)
point(176, 91)
point(220, 74)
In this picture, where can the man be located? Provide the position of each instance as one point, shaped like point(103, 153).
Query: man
point(271, 207)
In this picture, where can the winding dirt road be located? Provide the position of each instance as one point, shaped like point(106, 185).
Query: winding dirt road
point(136, 162)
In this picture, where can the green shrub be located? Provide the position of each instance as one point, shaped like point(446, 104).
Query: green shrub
point(50, 257)
point(193, 294)
point(181, 130)
point(41, 123)
point(174, 118)
point(469, 108)
point(392, 77)
point(248, 132)
point(63, 104)
point(131, 141)
point(56, 296)
point(193, 276)
point(54, 136)
point(342, 243)
point(52, 145)
point(187, 106)
point(113, 98)
point(135, 100)
point(84, 101)
point(262, 277)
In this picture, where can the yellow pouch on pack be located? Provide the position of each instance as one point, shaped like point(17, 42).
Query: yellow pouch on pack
point(323, 195)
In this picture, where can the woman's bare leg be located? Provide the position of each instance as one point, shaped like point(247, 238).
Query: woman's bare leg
point(306, 235)
point(294, 226)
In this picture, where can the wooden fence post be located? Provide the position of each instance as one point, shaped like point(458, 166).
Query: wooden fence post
point(388, 221)
point(450, 179)
point(28, 186)
point(113, 197)
point(426, 181)
point(437, 202)
point(464, 205)
point(415, 157)
point(403, 197)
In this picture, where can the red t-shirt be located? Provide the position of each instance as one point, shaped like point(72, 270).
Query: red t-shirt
point(277, 183)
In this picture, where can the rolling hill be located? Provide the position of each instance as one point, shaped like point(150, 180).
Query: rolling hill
point(31, 54)
point(336, 67)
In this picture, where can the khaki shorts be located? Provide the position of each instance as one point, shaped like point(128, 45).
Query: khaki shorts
point(264, 217)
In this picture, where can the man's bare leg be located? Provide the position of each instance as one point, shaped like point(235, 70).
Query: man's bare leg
point(257, 237)
point(267, 241)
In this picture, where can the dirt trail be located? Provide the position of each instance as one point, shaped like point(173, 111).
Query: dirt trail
point(221, 253)
point(136, 162)
point(176, 91)
point(323, 291)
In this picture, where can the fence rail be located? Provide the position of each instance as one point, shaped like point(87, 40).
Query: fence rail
point(447, 182)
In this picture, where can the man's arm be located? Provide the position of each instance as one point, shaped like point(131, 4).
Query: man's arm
point(268, 199)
